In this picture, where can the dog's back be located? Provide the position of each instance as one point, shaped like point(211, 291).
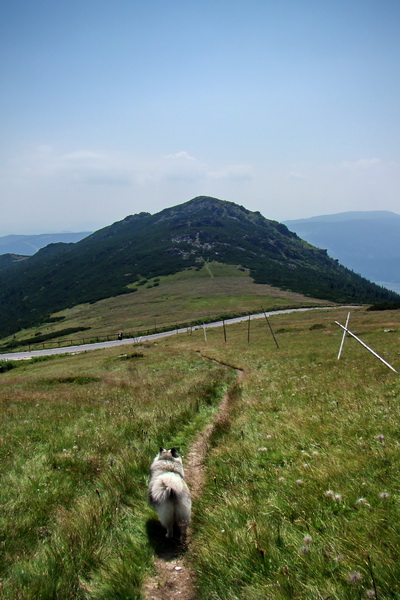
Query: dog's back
point(168, 492)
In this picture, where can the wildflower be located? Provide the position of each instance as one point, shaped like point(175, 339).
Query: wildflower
point(299, 482)
point(263, 449)
point(305, 549)
point(307, 539)
point(384, 495)
point(361, 501)
point(269, 437)
point(380, 437)
point(330, 494)
point(370, 594)
point(281, 479)
point(305, 465)
point(315, 453)
point(355, 577)
point(338, 558)
point(338, 497)
point(74, 447)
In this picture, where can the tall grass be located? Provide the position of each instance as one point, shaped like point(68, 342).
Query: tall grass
point(302, 494)
point(78, 434)
point(302, 491)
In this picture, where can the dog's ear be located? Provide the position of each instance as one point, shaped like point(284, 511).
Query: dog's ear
point(174, 452)
point(161, 449)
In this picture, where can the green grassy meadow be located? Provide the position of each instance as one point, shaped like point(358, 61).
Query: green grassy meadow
point(187, 296)
point(302, 490)
point(78, 435)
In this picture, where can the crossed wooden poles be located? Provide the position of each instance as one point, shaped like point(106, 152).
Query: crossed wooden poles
point(346, 330)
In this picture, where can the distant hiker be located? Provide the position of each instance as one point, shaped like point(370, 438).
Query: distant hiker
point(120, 336)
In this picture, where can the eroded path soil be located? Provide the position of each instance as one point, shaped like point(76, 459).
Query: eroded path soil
point(174, 578)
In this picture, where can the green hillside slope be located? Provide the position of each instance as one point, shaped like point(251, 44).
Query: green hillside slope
point(145, 246)
point(187, 297)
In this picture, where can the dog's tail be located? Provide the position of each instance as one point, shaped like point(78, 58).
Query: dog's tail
point(166, 487)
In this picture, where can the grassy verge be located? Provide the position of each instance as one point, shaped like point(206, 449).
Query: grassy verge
point(78, 435)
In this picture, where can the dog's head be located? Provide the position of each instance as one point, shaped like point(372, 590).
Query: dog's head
point(171, 454)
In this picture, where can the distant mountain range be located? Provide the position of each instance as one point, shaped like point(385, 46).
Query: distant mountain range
point(27, 245)
point(113, 260)
point(366, 242)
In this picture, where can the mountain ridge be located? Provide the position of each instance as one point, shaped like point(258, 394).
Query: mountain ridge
point(27, 245)
point(351, 215)
point(108, 262)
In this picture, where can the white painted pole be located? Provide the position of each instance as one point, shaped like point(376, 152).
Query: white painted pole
point(344, 335)
point(205, 334)
point(365, 346)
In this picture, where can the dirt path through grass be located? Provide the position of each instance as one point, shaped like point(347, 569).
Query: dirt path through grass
point(174, 578)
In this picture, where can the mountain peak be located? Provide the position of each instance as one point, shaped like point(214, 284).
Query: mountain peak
point(224, 207)
point(201, 203)
point(205, 211)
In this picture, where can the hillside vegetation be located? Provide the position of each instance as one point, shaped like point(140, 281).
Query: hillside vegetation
point(190, 296)
point(111, 261)
point(301, 490)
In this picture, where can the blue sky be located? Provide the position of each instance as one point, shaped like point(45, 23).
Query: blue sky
point(289, 107)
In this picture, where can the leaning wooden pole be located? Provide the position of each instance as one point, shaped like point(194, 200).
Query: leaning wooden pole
point(365, 346)
point(270, 328)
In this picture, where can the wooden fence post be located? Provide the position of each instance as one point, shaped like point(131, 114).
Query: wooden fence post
point(270, 328)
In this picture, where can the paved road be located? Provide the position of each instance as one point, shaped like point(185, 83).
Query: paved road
point(155, 336)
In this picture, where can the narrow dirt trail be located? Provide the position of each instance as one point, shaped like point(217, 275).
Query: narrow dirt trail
point(173, 577)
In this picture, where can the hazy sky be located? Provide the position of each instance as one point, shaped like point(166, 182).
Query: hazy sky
point(112, 107)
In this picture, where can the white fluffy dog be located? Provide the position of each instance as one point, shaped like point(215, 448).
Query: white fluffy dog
point(168, 493)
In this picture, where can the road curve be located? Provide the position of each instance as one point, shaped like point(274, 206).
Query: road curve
point(26, 355)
